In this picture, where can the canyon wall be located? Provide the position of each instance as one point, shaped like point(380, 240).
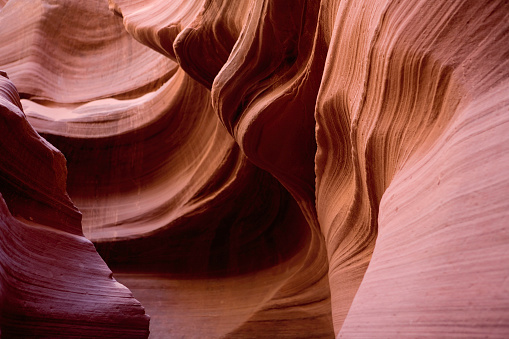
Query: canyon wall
point(257, 168)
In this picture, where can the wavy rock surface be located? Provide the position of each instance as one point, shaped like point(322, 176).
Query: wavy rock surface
point(163, 188)
point(52, 281)
point(421, 96)
point(279, 168)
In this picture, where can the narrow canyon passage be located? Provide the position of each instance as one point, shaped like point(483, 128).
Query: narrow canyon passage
point(254, 169)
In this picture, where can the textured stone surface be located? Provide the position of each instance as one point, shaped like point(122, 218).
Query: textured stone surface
point(52, 281)
point(265, 168)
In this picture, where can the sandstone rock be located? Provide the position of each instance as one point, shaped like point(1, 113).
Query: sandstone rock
point(272, 168)
point(52, 281)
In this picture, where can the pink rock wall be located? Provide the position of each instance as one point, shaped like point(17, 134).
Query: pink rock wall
point(52, 281)
point(255, 168)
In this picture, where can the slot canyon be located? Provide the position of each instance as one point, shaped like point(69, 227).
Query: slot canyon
point(254, 169)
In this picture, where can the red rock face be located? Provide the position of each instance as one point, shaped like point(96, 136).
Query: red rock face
point(254, 168)
point(52, 281)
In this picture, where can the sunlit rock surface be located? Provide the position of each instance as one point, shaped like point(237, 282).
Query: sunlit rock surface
point(257, 168)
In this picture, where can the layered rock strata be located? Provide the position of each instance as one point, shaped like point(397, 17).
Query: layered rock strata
point(52, 281)
point(279, 168)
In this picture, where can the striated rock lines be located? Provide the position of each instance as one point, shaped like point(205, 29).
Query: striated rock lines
point(52, 281)
point(258, 168)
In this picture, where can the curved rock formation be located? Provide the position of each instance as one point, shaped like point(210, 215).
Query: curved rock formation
point(269, 168)
point(404, 97)
point(52, 281)
point(440, 182)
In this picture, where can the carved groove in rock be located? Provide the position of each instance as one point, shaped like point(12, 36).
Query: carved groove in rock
point(255, 168)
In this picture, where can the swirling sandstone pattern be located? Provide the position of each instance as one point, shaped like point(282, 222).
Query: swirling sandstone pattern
point(256, 168)
point(52, 281)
